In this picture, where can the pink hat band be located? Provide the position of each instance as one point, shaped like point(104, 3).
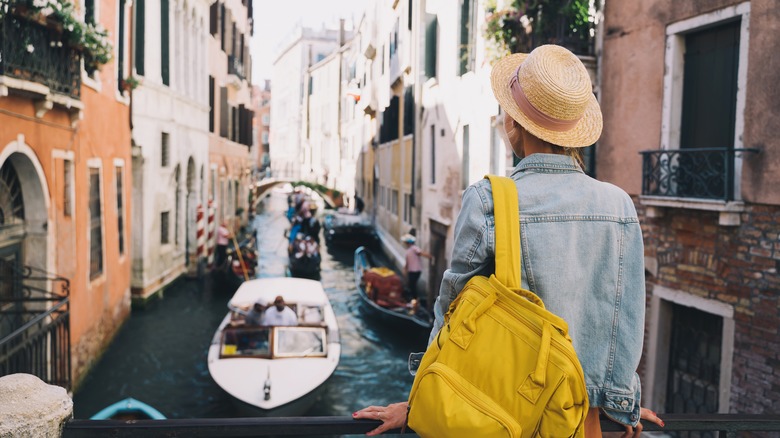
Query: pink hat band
point(535, 115)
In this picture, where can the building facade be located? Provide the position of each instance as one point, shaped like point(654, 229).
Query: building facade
point(690, 122)
point(231, 158)
point(304, 48)
point(65, 175)
point(170, 138)
point(261, 101)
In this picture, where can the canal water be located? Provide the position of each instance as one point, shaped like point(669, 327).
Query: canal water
point(159, 356)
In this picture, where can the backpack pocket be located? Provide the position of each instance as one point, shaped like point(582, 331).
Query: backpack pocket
point(449, 406)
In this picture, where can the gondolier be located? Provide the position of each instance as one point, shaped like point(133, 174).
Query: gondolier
point(413, 266)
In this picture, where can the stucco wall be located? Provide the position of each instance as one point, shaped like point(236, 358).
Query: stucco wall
point(633, 67)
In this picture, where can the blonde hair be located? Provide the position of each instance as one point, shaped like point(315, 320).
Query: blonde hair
point(574, 153)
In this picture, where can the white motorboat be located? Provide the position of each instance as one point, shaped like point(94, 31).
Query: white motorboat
point(276, 370)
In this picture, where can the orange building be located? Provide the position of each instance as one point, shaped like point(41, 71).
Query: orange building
point(65, 179)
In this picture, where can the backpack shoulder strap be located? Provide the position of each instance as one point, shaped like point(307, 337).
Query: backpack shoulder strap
point(507, 220)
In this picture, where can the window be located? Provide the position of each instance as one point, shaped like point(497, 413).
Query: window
point(67, 187)
point(120, 58)
point(388, 130)
point(409, 111)
point(394, 203)
point(223, 113)
point(468, 26)
point(164, 227)
point(90, 15)
point(689, 353)
point(465, 163)
point(177, 201)
point(407, 208)
point(165, 43)
point(703, 107)
point(164, 149)
point(95, 224)
point(265, 137)
point(433, 154)
point(211, 103)
point(266, 120)
point(140, 30)
point(431, 35)
point(120, 208)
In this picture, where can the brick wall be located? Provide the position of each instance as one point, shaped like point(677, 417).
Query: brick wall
point(735, 265)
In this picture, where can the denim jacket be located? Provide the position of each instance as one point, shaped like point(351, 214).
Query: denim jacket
point(582, 253)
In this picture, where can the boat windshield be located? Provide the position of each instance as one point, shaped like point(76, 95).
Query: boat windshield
point(299, 342)
point(279, 341)
point(242, 342)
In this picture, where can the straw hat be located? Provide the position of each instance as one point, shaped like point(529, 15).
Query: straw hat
point(549, 93)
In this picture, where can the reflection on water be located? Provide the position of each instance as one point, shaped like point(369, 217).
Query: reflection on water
point(159, 356)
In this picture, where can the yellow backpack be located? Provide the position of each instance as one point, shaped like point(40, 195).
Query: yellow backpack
point(502, 365)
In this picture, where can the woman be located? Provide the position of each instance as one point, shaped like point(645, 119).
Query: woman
point(582, 249)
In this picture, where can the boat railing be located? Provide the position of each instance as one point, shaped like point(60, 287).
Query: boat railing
point(724, 425)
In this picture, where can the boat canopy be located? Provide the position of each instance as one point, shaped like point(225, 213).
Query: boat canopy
point(293, 290)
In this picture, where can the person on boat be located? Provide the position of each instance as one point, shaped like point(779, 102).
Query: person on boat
point(311, 225)
point(582, 246)
point(223, 238)
point(255, 315)
point(279, 314)
point(413, 266)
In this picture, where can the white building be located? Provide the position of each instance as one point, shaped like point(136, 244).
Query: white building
point(305, 48)
point(170, 137)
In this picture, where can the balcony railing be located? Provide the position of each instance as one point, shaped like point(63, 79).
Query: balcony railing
point(726, 425)
point(35, 325)
point(706, 173)
point(34, 52)
point(236, 67)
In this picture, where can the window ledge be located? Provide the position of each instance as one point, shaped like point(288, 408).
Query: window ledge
point(729, 210)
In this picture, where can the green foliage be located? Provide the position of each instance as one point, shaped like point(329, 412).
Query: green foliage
point(91, 39)
point(518, 26)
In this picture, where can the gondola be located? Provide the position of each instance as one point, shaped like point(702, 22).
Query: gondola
point(349, 229)
point(382, 296)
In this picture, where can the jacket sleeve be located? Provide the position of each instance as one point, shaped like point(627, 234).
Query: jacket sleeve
point(471, 252)
point(630, 329)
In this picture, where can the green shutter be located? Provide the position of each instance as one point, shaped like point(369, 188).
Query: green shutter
point(140, 29)
point(165, 43)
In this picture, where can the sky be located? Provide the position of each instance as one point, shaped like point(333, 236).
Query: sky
point(276, 19)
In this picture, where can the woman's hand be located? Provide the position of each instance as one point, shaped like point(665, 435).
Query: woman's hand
point(644, 414)
point(392, 416)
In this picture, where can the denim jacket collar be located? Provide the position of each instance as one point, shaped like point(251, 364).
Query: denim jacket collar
point(547, 163)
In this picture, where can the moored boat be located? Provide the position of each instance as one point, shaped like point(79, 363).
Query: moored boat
point(349, 229)
point(382, 296)
point(271, 369)
point(128, 409)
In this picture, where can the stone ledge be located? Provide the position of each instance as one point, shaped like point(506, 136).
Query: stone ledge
point(32, 408)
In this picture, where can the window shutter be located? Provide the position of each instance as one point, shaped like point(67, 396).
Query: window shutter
point(140, 31)
point(165, 43)
point(213, 18)
point(223, 112)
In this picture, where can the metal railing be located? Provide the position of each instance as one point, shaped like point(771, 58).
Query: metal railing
point(726, 425)
point(37, 320)
point(31, 51)
point(706, 173)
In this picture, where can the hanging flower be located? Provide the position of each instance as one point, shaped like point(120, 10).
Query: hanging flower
point(92, 39)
